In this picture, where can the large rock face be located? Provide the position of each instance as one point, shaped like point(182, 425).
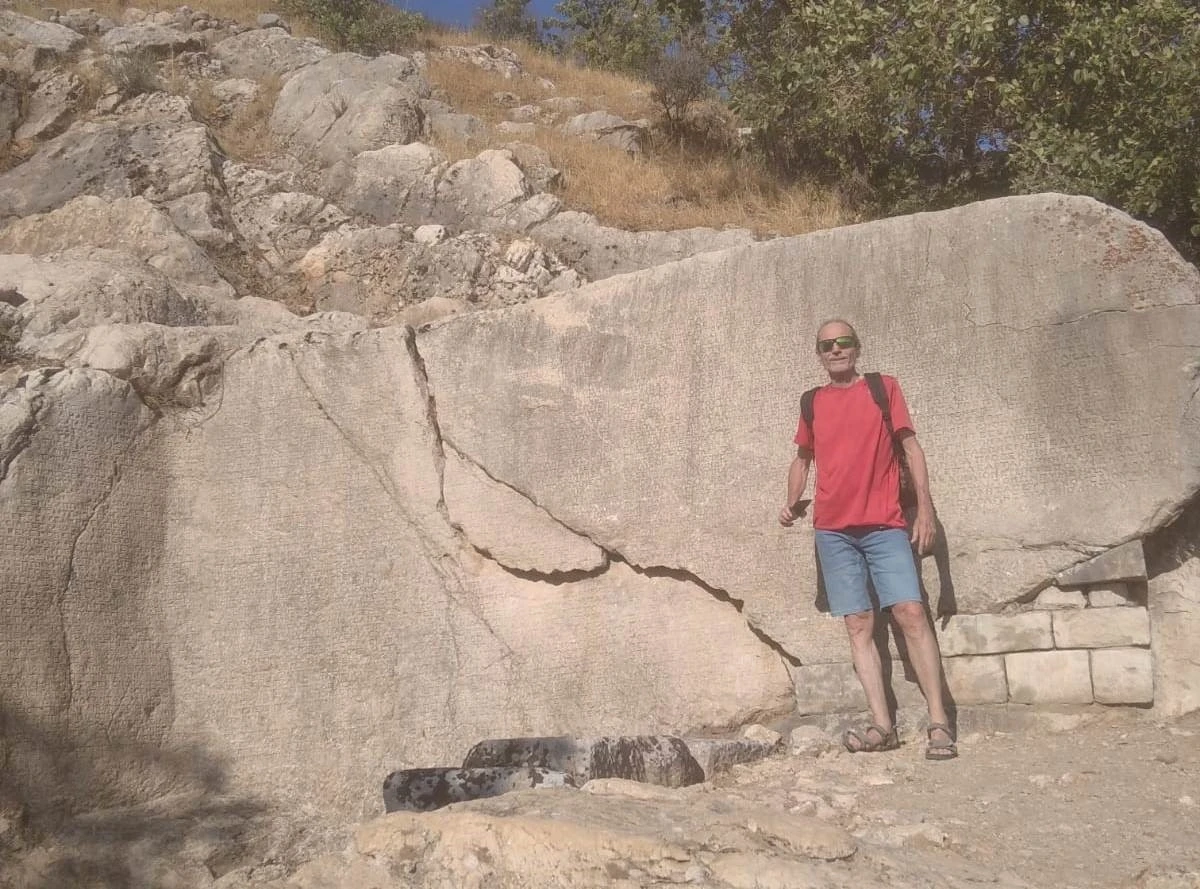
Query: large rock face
point(304, 611)
point(653, 413)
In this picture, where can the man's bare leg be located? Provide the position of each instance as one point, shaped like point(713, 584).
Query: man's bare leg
point(867, 665)
point(925, 656)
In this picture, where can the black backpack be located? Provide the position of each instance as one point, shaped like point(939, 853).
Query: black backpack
point(908, 491)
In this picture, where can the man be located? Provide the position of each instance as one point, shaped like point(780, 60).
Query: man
point(861, 531)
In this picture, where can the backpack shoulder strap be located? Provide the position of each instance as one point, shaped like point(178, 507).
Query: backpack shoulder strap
point(806, 407)
point(879, 394)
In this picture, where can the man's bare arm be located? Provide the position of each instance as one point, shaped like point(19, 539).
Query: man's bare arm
point(797, 482)
point(923, 530)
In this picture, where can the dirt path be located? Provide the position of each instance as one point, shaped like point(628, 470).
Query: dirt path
point(1105, 804)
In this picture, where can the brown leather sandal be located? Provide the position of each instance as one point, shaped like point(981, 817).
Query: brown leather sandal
point(872, 739)
point(940, 749)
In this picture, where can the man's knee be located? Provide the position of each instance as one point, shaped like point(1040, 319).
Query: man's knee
point(860, 626)
point(910, 617)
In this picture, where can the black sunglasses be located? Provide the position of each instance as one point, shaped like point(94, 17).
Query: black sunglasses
point(842, 342)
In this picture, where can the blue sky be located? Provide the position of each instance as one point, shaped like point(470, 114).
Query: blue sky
point(462, 12)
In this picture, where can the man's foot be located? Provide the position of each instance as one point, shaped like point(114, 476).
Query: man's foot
point(872, 739)
point(942, 743)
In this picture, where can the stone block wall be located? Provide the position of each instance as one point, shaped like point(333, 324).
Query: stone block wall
point(1084, 646)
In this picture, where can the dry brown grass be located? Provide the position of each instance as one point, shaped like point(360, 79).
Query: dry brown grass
point(618, 93)
point(674, 184)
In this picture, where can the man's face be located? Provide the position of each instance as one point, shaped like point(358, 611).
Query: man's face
point(837, 347)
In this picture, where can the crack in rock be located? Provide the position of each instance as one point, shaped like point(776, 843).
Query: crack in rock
point(22, 436)
point(452, 585)
point(60, 600)
point(968, 311)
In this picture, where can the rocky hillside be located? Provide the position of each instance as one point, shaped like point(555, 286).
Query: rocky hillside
point(116, 138)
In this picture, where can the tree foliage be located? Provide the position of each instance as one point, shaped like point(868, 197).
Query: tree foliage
point(925, 103)
point(364, 26)
point(617, 35)
point(508, 20)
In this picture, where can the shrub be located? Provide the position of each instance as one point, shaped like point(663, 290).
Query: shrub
point(679, 80)
point(133, 75)
point(369, 27)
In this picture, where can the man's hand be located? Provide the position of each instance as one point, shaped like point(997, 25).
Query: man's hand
point(923, 531)
point(789, 514)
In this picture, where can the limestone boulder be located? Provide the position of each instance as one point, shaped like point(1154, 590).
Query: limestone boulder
point(487, 56)
point(599, 251)
point(608, 129)
point(456, 127)
point(481, 190)
point(150, 41)
point(265, 53)
point(283, 225)
point(344, 104)
point(535, 164)
point(136, 154)
point(397, 183)
point(687, 441)
point(234, 94)
point(79, 289)
point(330, 597)
point(49, 37)
point(378, 272)
point(199, 217)
point(56, 95)
point(175, 366)
point(132, 225)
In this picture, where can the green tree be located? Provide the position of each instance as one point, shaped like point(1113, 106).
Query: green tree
point(1108, 104)
point(509, 19)
point(364, 26)
point(926, 103)
point(617, 35)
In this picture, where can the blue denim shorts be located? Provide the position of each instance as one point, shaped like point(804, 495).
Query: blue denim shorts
point(851, 557)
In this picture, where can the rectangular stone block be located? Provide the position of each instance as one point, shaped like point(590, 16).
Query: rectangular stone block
point(834, 688)
point(995, 633)
point(1123, 676)
point(1102, 628)
point(1113, 595)
point(976, 680)
point(1049, 677)
point(1054, 599)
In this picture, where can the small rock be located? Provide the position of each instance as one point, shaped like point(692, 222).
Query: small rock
point(808, 740)
point(430, 234)
point(271, 20)
point(761, 733)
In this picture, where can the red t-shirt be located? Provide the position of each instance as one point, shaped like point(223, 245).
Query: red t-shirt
point(858, 479)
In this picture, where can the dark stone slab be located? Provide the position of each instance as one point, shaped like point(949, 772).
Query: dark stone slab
point(1124, 562)
point(423, 790)
point(652, 759)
